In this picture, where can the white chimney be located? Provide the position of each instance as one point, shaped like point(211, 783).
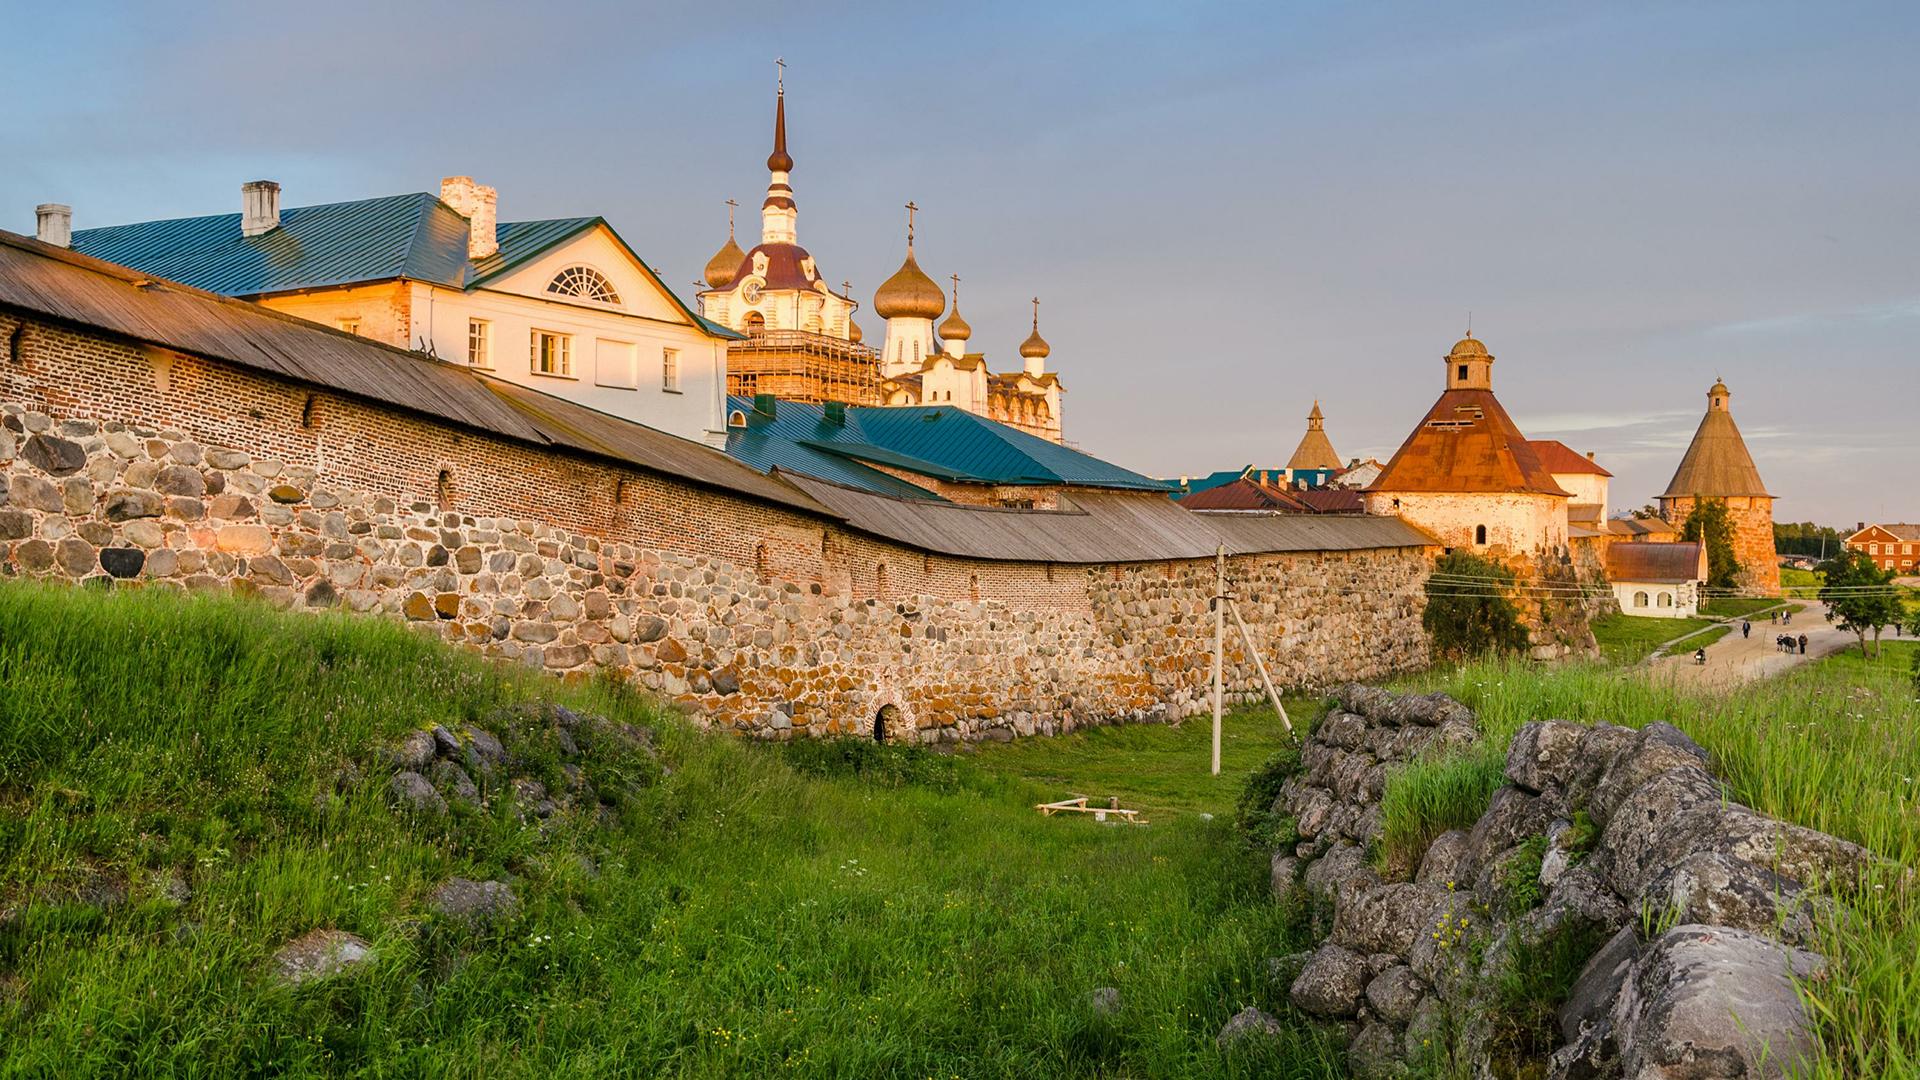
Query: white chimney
point(476, 203)
point(53, 224)
point(259, 207)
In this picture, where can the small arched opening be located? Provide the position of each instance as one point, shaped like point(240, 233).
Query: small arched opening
point(1480, 535)
point(1640, 599)
point(756, 324)
point(1666, 599)
point(886, 719)
point(443, 490)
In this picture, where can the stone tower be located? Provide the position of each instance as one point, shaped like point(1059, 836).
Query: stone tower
point(1717, 466)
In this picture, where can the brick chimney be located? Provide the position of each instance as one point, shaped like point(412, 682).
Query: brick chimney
point(53, 224)
point(476, 203)
point(259, 207)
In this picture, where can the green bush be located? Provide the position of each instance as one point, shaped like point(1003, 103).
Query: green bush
point(1254, 817)
point(887, 765)
point(1469, 611)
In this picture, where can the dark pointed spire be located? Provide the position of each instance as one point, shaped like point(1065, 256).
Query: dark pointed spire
point(780, 160)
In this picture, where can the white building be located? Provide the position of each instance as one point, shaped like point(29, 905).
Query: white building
point(1657, 579)
point(562, 305)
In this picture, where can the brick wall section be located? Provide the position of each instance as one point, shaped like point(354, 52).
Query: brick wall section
point(122, 462)
point(1752, 518)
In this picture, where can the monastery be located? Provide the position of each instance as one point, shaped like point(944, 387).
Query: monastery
point(801, 342)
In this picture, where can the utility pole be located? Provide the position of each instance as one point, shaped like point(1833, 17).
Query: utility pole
point(1219, 641)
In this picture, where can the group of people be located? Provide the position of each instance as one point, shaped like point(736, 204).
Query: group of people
point(1786, 643)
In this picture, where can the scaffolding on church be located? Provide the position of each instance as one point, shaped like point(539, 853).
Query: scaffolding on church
point(801, 366)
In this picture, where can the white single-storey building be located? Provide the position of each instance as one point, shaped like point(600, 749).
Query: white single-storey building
point(1658, 579)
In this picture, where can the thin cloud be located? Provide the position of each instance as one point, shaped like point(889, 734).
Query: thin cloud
point(1870, 314)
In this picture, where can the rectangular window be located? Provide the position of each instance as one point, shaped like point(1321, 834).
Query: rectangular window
point(615, 364)
point(479, 343)
point(351, 325)
point(670, 370)
point(552, 353)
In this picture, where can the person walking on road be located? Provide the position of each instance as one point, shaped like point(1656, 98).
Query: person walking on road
point(1803, 644)
point(1746, 629)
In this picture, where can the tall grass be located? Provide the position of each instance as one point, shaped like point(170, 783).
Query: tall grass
point(1833, 745)
point(740, 918)
point(1429, 796)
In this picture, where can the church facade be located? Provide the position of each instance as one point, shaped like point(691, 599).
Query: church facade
point(801, 341)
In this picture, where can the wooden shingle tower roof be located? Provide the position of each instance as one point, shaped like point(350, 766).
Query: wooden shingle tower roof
point(1467, 443)
point(1716, 463)
point(1315, 450)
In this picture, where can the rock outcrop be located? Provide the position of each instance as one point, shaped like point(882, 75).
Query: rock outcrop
point(1612, 874)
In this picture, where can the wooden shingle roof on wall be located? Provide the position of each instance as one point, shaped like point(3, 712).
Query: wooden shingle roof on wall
point(1716, 463)
point(1657, 563)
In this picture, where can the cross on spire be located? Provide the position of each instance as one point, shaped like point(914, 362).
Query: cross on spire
point(780, 74)
point(956, 291)
point(730, 205)
point(912, 209)
point(1036, 314)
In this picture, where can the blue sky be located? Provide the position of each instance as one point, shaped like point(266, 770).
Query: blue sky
point(1227, 210)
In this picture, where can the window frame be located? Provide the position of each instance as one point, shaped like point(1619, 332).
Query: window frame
point(482, 359)
point(584, 277)
point(565, 353)
point(349, 324)
point(670, 370)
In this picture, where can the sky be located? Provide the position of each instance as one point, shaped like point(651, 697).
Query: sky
point(1228, 211)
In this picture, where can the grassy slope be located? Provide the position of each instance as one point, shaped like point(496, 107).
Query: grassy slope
point(742, 919)
point(1834, 745)
point(1629, 639)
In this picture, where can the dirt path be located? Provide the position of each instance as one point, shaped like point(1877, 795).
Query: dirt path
point(1733, 660)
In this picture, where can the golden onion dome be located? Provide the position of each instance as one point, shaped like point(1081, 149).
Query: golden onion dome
point(1468, 347)
point(853, 331)
point(909, 294)
point(955, 328)
point(724, 267)
point(1035, 347)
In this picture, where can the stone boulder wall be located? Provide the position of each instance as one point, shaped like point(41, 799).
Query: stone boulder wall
point(767, 622)
point(1611, 874)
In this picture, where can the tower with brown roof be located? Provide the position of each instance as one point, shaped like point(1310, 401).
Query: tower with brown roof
point(1468, 476)
point(1718, 466)
point(1315, 450)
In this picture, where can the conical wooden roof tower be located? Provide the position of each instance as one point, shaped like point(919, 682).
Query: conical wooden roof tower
point(1315, 450)
point(1716, 463)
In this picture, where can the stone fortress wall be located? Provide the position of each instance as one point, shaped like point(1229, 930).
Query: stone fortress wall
point(1695, 914)
point(124, 463)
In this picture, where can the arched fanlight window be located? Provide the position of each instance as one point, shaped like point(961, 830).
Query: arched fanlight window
point(584, 281)
point(1480, 534)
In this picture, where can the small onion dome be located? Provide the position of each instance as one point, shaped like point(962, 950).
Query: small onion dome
point(1467, 347)
point(1719, 389)
point(955, 328)
point(909, 294)
point(853, 331)
point(1035, 347)
point(724, 267)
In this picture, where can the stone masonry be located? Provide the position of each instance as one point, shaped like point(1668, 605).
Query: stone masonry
point(118, 466)
point(1695, 914)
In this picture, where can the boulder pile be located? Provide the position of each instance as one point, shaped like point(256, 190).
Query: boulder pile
point(1679, 920)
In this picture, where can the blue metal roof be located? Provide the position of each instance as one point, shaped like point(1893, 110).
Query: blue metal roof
point(414, 236)
point(789, 441)
point(939, 441)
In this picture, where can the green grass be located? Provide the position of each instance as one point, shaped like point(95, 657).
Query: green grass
point(756, 912)
point(1834, 745)
point(1796, 579)
point(1629, 639)
point(1427, 797)
point(1733, 607)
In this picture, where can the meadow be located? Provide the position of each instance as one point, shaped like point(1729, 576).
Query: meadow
point(752, 911)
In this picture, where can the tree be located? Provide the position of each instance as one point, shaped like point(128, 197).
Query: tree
point(1710, 525)
point(1861, 595)
point(1469, 611)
